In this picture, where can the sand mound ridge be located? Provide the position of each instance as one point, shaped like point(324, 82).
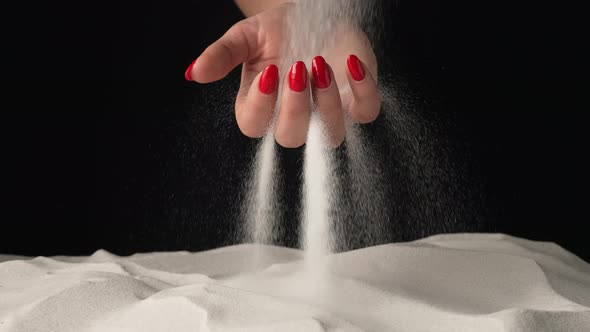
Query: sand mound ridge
point(459, 282)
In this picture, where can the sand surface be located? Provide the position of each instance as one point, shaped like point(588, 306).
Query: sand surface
point(458, 282)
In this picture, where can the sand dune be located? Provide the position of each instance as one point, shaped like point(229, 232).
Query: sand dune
point(460, 282)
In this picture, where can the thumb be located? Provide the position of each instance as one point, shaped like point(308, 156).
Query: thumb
point(236, 46)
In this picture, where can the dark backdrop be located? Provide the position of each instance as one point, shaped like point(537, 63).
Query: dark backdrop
point(104, 145)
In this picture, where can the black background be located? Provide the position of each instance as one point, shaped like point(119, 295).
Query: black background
point(104, 145)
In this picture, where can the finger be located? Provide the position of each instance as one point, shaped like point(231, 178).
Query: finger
point(366, 103)
point(327, 100)
point(293, 119)
point(254, 112)
point(236, 46)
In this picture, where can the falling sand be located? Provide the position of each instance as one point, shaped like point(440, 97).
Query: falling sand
point(311, 29)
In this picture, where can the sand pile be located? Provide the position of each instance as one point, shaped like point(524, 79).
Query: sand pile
point(444, 283)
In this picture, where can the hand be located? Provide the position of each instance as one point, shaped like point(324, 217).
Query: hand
point(256, 43)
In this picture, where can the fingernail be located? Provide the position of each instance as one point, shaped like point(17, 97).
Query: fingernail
point(298, 77)
point(269, 79)
point(187, 74)
point(321, 74)
point(355, 67)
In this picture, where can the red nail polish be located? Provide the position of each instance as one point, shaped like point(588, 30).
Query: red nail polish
point(269, 79)
point(355, 67)
point(298, 77)
point(187, 74)
point(321, 74)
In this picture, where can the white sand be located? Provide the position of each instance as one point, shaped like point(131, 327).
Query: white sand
point(444, 283)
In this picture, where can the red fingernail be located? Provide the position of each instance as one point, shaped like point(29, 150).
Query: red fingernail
point(298, 77)
point(355, 67)
point(269, 79)
point(321, 74)
point(187, 74)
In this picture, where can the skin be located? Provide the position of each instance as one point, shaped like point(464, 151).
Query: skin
point(255, 43)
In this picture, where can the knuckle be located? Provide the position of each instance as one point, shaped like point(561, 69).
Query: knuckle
point(365, 112)
point(247, 126)
point(289, 142)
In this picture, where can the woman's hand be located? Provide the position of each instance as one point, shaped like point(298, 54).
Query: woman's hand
point(256, 43)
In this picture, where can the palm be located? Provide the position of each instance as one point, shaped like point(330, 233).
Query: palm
point(265, 31)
